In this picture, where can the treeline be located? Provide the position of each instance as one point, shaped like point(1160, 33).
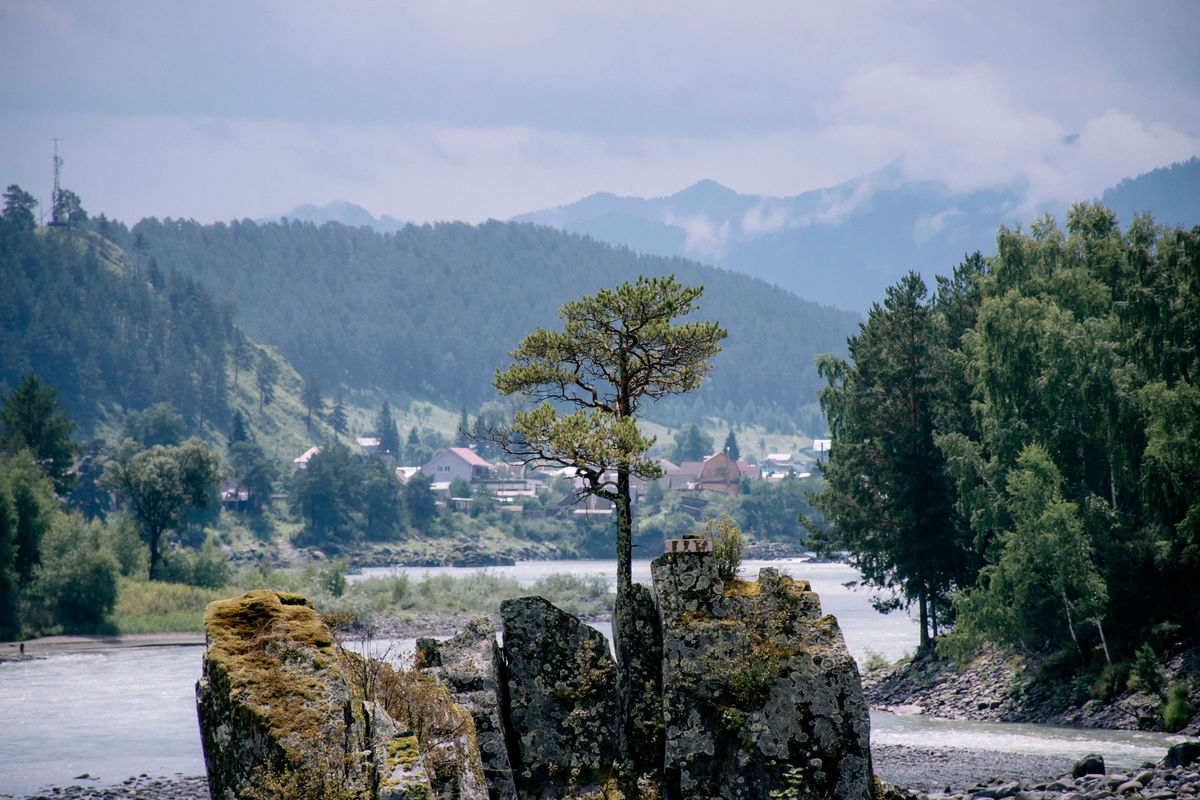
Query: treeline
point(1018, 454)
point(104, 332)
point(430, 311)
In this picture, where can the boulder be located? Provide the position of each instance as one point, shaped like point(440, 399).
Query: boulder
point(759, 691)
point(1182, 754)
point(562, 698)
point(472, 667)
point(644, 654)
point(278, 714)
point(1091, 764)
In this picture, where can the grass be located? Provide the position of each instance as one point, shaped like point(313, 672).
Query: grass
point(157, 607)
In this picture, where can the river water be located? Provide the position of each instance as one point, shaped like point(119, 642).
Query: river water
point(122, 713)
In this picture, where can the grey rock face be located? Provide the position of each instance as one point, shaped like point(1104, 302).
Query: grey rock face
point(472, 667)
point(562, 697)
point(644, 656)
point(277, 709)
point(759, 691)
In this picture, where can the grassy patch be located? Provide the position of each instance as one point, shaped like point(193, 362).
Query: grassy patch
point(158, 607)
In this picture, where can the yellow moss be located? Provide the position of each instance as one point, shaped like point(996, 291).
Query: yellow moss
point(251, 640)
point(403, 750)
point(740, 588)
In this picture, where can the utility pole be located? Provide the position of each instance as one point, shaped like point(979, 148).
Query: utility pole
point(55, 206)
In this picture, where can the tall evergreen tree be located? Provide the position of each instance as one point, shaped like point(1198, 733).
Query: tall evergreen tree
point(617, 349)
point(887, 493)
point(385, 429)
point(337, 417)
point(32, 420)
point(312, 400)
point(730, 447)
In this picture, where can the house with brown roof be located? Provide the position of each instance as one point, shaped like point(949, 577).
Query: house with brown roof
point(716, 473)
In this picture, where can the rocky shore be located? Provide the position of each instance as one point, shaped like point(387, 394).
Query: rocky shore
point(909, 773)
point(993, 689)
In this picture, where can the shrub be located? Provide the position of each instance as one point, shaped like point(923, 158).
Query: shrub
point(728, 545)
point(874, 661)
point(1147, 674)
point(1177, 708)
point(1113, 680)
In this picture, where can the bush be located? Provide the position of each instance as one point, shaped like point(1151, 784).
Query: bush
point(1113, 680)
point(1177, 708)
point(728, 545)
point(1147, 674)
point(207, 567)
point(874, 661)
point(77, 581)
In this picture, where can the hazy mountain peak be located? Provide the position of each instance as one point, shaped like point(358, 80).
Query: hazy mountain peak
point(844, 244)
point(340, 211)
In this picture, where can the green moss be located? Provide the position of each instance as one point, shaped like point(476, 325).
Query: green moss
point(262, 652)
point(403, 750)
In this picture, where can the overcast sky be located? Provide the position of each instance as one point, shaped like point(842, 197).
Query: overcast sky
point(473, 110)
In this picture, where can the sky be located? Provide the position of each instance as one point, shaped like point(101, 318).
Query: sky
point(433, 111)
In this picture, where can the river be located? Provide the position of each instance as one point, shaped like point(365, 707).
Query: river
point(122, 713)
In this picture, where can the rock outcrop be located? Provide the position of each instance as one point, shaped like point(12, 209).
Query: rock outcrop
point(739, 690)
point(278, 716)
point(561, 697)
point(759, 691)
point(472, 667)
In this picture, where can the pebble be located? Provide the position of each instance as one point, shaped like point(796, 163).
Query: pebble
point(142, 787)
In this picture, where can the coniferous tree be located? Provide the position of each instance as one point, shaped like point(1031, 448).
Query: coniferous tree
point(312, 400)
point(617, 349)
point(32, 420)
point(337, 417)
point(887, 493)
point(731, 446)
point(385, 429)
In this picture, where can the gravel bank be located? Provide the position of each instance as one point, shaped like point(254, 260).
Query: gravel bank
point(955, 769)
point(142, 787)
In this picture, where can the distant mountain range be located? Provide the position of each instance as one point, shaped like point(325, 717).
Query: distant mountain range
point(838, 246)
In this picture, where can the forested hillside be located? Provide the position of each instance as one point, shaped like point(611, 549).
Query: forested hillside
point(76, 313)
point(430, 311)
point(1018, 454)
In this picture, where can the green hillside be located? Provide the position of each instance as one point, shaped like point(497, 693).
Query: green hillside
point(428, 313)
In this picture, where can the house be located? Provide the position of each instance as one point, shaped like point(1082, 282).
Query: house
point(716, 473)
point(821, 447)
point(369, 444)
point(301, 462)
point(457, 462)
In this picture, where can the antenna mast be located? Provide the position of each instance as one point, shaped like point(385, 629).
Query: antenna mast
point(56, 207)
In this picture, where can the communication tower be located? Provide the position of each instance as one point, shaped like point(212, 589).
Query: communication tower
point(56, 213)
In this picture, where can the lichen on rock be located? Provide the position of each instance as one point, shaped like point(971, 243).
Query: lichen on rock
point(279, 718)
point(759, 690)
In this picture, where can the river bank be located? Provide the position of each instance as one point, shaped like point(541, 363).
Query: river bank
point(907, 772)
point(995, 687)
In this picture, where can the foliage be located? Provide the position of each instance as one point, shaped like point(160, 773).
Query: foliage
point(1146, 675)
point(344, 498)
point(77, 580)
point(159, 607)
point(1177, 708)
point(161, 485)
point(875, 660)
point(76, 312)
point(28, 508)
point(691, 444)
point(32, 420)
point(385, 429)
point(887, 492)
point(730, 448)
point(728, 545)
point(18, 208)
point(158, 423)
point(774, 510)
point(455, 326)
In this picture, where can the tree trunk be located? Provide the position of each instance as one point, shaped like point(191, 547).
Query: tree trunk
point(923, 604)
point(1071, 625)
point(623, 635)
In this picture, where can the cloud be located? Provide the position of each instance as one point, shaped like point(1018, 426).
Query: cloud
point(705, 239)
point(763, 219)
